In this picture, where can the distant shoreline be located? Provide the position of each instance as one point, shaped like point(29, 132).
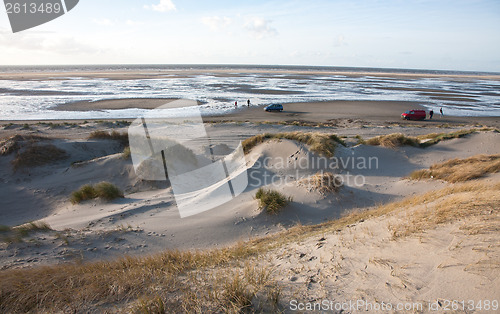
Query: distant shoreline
point(150, 73)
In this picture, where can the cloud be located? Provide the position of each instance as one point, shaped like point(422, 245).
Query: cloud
point(133, 23)
point(216, 22)
point(102, 22)
point(163, 6)
point(51, 43)
point(260, 28)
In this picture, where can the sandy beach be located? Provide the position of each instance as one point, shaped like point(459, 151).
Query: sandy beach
point(328, 112)
point(331, 260)
point(141, 171)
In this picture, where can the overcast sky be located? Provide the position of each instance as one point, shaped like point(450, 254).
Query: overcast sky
point(447, 35)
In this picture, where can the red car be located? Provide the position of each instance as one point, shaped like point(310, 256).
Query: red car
point(414, 115)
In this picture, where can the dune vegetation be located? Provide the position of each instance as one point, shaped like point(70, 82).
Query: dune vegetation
point(320, 143)
point(221, 280)
point(14, 143)
point(38, 155)
point(272, 201)
point(473, 199)
point(126, 153)
point(398, 139)
point(16, 234)
point(434, 138)
point(393, 140)
point(103, 190)
point(29, 152)
point(122, 138)
point(323, 182)
point(459, 170)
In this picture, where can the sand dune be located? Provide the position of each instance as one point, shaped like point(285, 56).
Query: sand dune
point(42, 193)
point(389, 256)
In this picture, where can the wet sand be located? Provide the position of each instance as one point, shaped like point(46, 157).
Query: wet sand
point(371, 112)
point(328, 112)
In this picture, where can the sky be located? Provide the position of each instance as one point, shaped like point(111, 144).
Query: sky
point(411, 34)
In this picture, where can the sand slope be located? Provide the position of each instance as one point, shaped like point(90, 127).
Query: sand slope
point(149, 207)
point(365, 263)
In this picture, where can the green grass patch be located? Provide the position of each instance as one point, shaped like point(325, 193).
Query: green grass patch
point(16, 234)
point(103, 190)
point(272, 201)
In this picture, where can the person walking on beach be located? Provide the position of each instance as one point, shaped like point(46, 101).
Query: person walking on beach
point(431, 113)
point(441, 111)
point(235, 104)
point(248, 103)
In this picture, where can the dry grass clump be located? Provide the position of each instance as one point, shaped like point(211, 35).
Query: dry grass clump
point(104, 190)
point(38, 155)
point(477, 200)
point(122, 138)
point(460, 170)
point(126, 153)
point(393, 140)
point(175, 281)
point(248, 289)
point(323, 182)
point(434, 138)
point(14, 143)
point(399, 139)
point(318, 142)
point(272, 201)
point(16, 234)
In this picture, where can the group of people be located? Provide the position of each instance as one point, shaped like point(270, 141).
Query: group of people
point(431, 113)
point(236, 103)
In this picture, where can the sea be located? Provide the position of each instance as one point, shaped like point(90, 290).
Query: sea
point(36, 99)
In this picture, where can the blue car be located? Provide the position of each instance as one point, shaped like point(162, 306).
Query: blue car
point(274, 107)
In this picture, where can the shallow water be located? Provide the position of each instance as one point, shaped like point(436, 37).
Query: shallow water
point(36, 99)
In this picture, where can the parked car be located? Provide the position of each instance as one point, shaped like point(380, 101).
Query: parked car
point(274, 107)
point(414, 115)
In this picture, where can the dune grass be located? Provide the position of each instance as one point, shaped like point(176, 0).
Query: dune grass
point(393, 140)
point(460, 170)
point(271, 201)
point(318, 142)
point(216, 280)
point(434, 138)
point(174, 280)
point(103, 190)
point(398, 139)
point(122, 138)
point(38, 155)
point(14, 143)
point(323, 182)
point(126, 152)
point(480, 201)
point(16, 234)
